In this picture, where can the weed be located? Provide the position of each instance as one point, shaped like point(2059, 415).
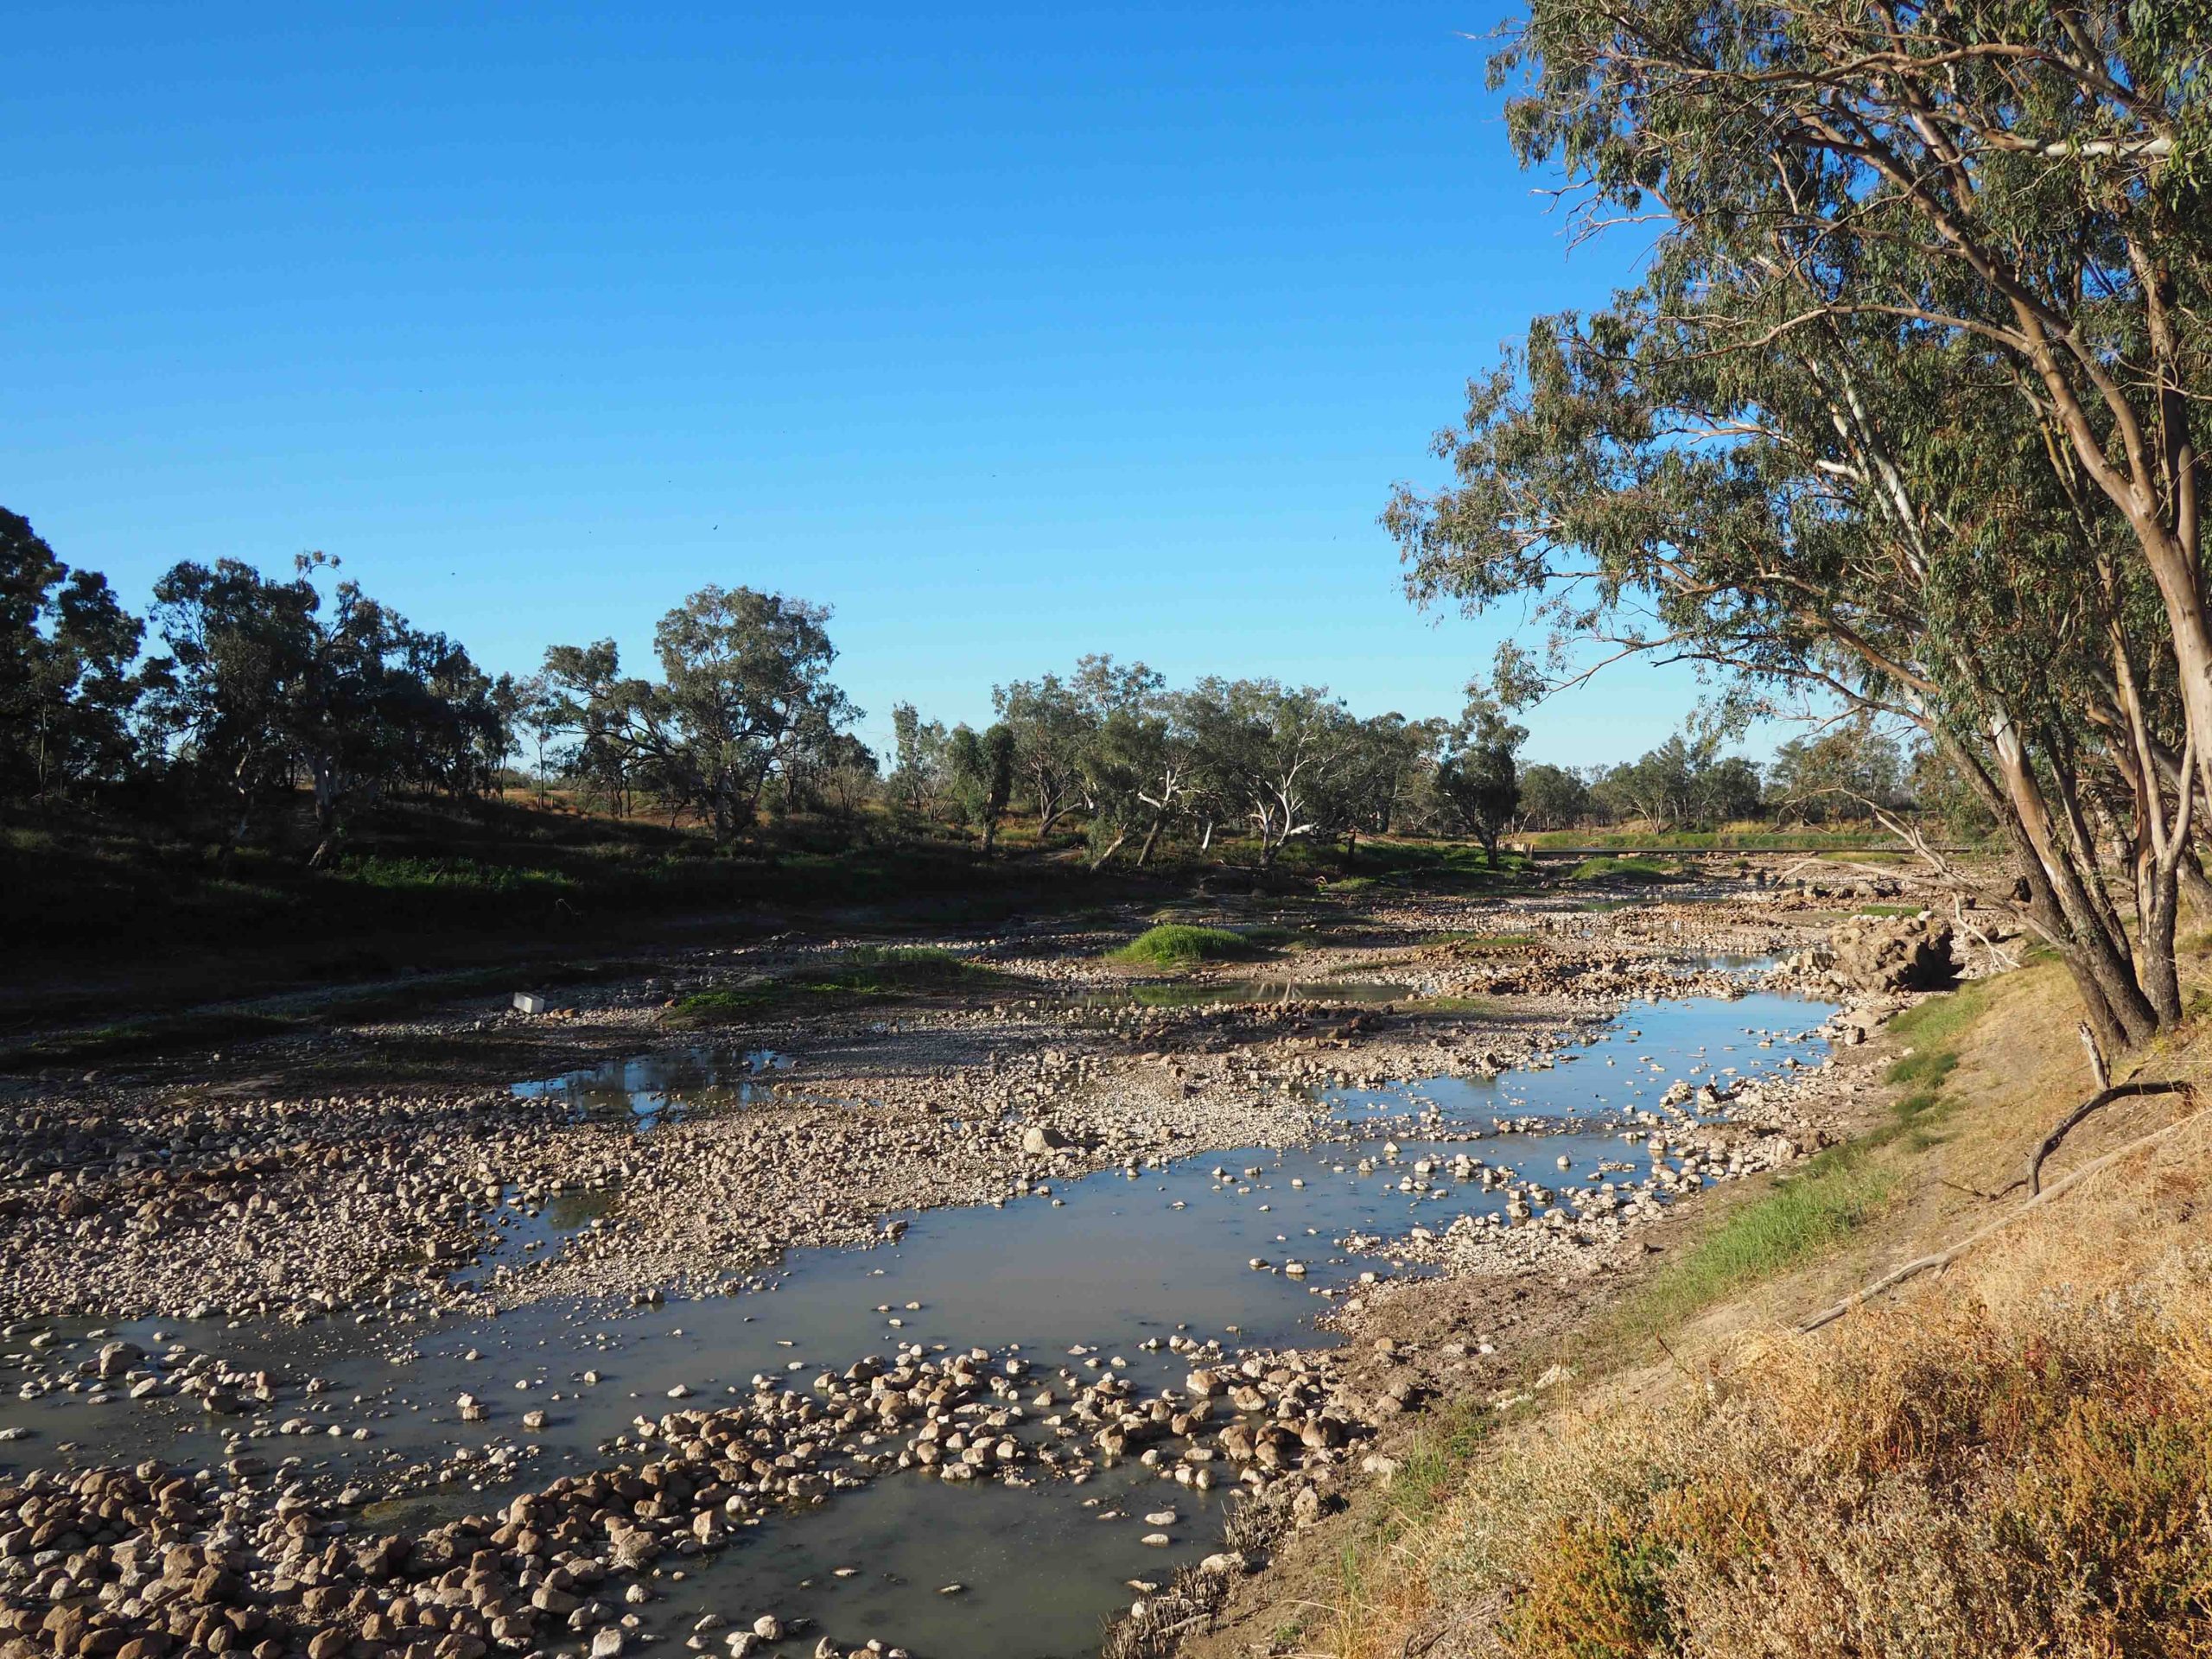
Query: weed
point(1178, 944)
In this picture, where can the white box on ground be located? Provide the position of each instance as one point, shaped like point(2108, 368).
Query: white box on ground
point(530, 1002)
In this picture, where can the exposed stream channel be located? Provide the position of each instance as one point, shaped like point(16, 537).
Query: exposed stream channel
point(1080, 1276)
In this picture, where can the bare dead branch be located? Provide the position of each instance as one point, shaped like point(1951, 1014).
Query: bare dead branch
point(1943, 1258)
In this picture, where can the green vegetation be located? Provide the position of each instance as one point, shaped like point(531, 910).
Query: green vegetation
point(1833, 1193)
point(1936, 1029)
point(1607, 867)
point(886, 971)
point(1480, 1006)
point(1179, 944)
point(1887, 909)
point(1466, 942)
point(1806, 1212)
point(450, 876)
point(1708, 841)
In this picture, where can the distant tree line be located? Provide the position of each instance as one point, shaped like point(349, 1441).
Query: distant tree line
point(253, 687)
point(239, 691)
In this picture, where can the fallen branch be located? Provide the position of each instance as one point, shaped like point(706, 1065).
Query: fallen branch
point(2097, 1101)
point(1944, 1258)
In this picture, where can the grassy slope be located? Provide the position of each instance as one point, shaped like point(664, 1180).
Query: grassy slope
point(2014, 1456)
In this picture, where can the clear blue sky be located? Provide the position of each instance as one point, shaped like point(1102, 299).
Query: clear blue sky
point(1011, 332)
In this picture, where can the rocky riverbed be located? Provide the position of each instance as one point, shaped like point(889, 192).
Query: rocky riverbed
point(360, 1343)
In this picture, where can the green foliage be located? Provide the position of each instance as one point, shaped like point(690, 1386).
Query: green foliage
point(261, 682)
point(1805, 1213)
point(744, 695)
point(1840, 776)
point(1177, 945)
point(1607, 867)
point(1831, 446)
point(66, 687)
point(1469, 942)
point(1479, 1007)
point(419, 874)
point(1478, 780)
point(1552, 798)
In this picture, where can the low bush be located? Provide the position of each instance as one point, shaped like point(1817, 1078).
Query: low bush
point(1178, 944)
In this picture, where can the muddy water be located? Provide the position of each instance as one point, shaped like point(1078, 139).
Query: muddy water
point(1101, 1264)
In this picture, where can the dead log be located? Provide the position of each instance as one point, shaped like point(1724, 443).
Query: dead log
point(2097, 1101)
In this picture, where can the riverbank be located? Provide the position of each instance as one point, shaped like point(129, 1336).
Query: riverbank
point(2006, 1456)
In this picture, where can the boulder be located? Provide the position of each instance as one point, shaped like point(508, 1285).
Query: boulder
point(1905, 954)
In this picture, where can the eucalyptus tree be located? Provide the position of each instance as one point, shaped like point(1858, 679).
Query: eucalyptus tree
point(1139, 764)
point(2025, 184)
point(1552, 798)
point(981, 768)
point(1847, 773)
point(575, 709)
point(1390, 768)
point(919, 759)
point(1050, 732)
point(1269, 755)
point(1478, 780)
point(1851, 514)
point(262, 682)
point(67, 685)
point(745, 689)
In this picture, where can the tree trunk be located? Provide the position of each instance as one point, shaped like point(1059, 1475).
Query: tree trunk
point(2194, 886)
point(1144, 853)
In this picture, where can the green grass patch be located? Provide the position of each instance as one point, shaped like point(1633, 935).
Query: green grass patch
point(887, 971)
point(1607, 867)
point(1887, 909)
point(1711, 841)
point(1465, 941)
point(1934, 1030)
point(1946, 1018)
point(409, 875)
point(1179, 944)
point(1807, 1212)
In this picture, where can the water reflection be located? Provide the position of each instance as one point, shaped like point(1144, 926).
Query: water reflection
point(653, 1088)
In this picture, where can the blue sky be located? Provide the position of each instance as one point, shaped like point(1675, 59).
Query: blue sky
point(1011, 332)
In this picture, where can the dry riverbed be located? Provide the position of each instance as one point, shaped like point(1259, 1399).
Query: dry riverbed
point(375, 1187)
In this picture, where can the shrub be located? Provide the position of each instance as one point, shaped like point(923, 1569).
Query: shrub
point(1176, 945)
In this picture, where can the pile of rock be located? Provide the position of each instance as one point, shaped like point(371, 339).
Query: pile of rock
point(1876, 955)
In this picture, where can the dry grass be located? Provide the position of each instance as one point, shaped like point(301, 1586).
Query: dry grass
point(2013, 1457)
